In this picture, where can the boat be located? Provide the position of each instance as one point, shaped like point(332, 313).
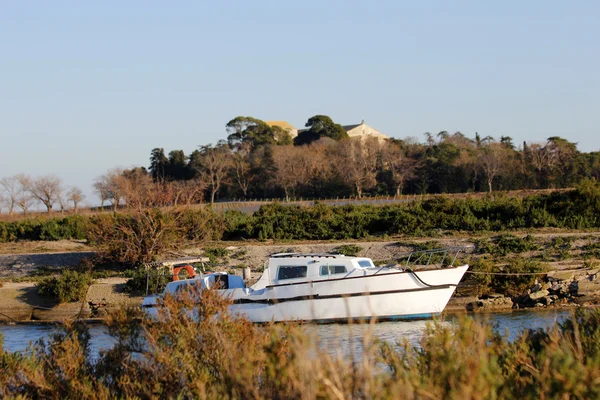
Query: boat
point(330, 288)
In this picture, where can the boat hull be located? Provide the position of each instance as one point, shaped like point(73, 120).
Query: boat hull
point(381, 294)
point(387, 296)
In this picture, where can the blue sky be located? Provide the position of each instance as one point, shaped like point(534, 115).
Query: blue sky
point(86, 86)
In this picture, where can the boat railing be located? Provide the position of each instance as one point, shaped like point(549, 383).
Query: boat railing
point(427, 258)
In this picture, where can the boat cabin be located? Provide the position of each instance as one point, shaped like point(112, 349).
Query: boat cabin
point(285, 268)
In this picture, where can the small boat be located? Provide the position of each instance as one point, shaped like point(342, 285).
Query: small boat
point(331, 287)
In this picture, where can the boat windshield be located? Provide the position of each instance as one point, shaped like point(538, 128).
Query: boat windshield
point(365, 263)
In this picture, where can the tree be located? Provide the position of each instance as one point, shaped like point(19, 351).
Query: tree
point(47, 189)
point(9, 191)
point(242, 167)
point(357, 163)
point(282, 136)
point(178, 169)
point(109, 187)
point(286, 169)
point(492, 161)
point(212, 164)
point(320, 126)
point(76, 196)
point(249, 130)
point(158, 164)
point(101, 188)
point(401, 167)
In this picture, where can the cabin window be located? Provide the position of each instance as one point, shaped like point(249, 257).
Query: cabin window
point(365, 263)
point(333, 269)
point(292, 272)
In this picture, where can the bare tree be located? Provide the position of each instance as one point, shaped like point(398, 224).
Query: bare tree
point(76, 196)
point(285, 160)
point(9, 191)
point(109, 187)
point(189, 192)
point(101, 189)
point(401, 167)
point(492, 161)
point(46, 189)
point(357, 163)
point(242, 167)
point(212, 164)
point(24, 198)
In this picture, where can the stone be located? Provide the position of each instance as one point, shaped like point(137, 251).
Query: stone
point(560, 276)
point(537, 305)
point(587, 288)
point(499, 303)
point(535, 288)
point(538, 295)
point(547, 300)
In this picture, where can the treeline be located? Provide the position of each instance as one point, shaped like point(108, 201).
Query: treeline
point(259, 161)
point(141, 235)
point(23, 192)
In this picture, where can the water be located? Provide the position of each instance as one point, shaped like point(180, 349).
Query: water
point(337, 337)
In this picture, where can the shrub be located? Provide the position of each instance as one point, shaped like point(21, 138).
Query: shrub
point(562, 242)
point(69, 286)
point(211, 354)
point(348, 249)
point(153, 279)
point(508, 243)
point(135, 238)
point(215, 253)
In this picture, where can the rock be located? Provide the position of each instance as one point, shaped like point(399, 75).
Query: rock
point(493, 304)
point(547, 300)
point(554, 276)
point(537, 305)
point(535, 288)
point(538, 295)
point(495, 296)
point(588, 288)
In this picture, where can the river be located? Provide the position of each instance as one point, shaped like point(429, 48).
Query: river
point(342, 337)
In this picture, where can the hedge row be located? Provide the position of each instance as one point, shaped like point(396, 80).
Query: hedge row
point(575, 209)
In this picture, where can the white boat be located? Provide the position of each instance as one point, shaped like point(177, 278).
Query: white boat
point(328, 288)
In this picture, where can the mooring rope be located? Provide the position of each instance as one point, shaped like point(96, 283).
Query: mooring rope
point(525, 273)
point(425, 283)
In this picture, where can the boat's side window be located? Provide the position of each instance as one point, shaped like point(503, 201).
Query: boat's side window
point(333, 269)
point(291, 272)
point(365, 263)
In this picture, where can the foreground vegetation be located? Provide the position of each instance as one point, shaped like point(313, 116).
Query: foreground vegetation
point(207, 357)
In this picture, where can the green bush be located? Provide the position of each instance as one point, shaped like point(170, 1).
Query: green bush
point(348, 249)
point(154, 279)
point(508, 243)
point(574, 209)
point(511, 285)
point(215, 253)
point(69, 286)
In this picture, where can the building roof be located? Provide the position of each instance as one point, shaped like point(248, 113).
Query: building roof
point(282, 124)
point(350, 127)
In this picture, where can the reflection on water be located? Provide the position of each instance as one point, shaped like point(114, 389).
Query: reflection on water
point(346, 338)
point(18, 337)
